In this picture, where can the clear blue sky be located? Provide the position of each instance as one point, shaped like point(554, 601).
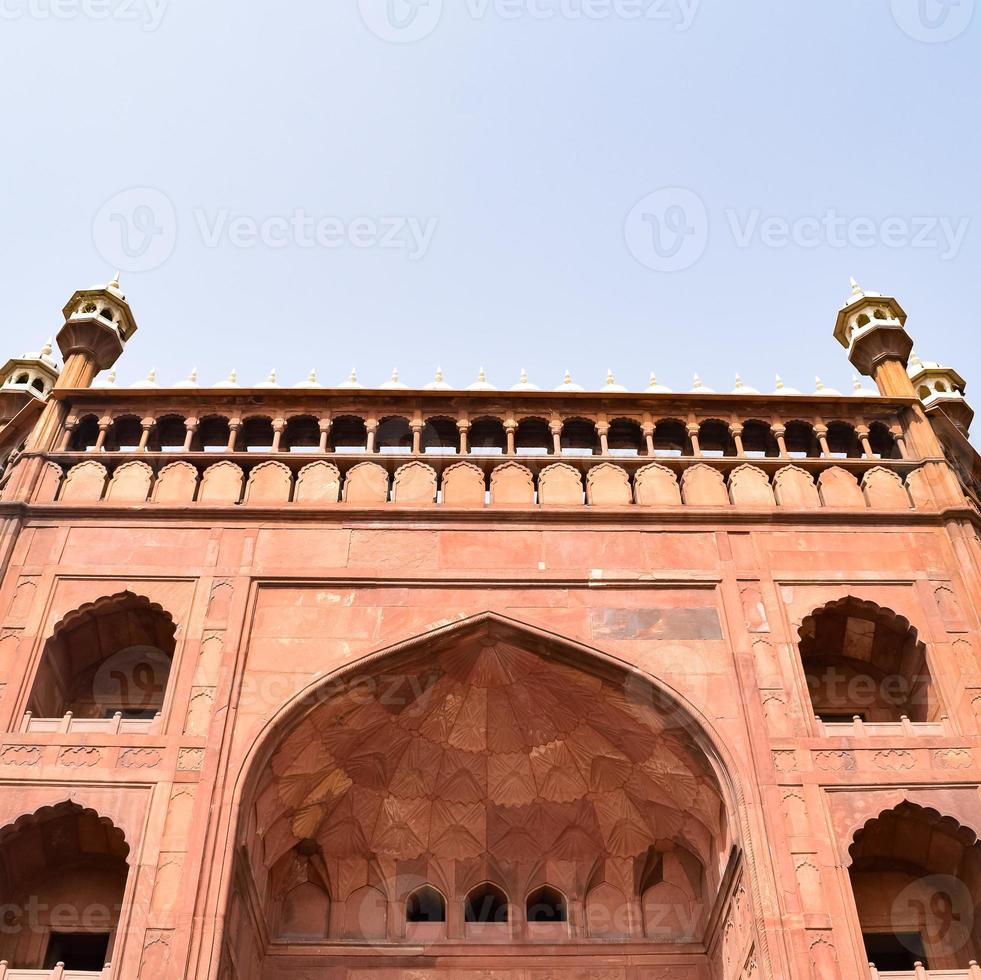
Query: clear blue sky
point(522, 142)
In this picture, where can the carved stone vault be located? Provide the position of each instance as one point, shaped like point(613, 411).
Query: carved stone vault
point(484, 763)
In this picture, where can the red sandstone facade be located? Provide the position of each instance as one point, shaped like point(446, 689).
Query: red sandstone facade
point(417, 684)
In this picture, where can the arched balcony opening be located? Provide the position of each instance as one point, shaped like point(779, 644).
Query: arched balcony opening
point(579, 438)
point(843, 442)
point(124, 434)
point(487, 437)
point(671, 438)
point(883, 442)
point(63, 877)
point(394, 436)
point(301, 435)
point(863, 661)
point(715, 439)
point(113, 656)
point(38, 385)
point(547, 905)
point(440, 436)
point(212, 436)
point(348, 434)
point(256, 435)
point(485, 904)
point(759, 441)
point(85, 435)
point(801, 441)
point(626, 438)
point(425, 904)
point(533, 438)
point(916, 880)
point(169, 434)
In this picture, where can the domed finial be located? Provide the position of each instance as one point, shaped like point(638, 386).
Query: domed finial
point(856, 288)
point(193, 376)
point(739, 381)
point(653, 380)
point(523, 377)
point(353, 377)
point(395, 375)
point(232, 376)
point(914, 360)
point(818, 385)
point(272, 377)
point(312, 377)
point(481, 376)
point(47, 348)
point(567, 378)
point(114, 283)
point(152, 376)
point(780, 384)
point(610, 380)
point(439, 375)
point(111, 378)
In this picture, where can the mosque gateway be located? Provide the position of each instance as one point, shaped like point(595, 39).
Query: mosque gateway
point(448, 683)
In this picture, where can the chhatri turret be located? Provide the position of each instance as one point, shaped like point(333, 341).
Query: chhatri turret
point(872, 327)
point(941, 389)
point(98, 323)
point(25, 379)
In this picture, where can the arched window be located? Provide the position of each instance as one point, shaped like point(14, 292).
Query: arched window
point(212, 436)
point(112, 656)
point(861, 660)
point(62, 878)
point(546, 904)
point(125, 434)
point(440, 437)
point(256, 435)
point(169, 434)
point(301, 435)
point(579, 438)
point(487, 437)
point(425, 904)
point(714, 439)
point(916, 879)
point(759, 441)
point(85, 435)
point(671, 895)
point(38, 385)
point(882, 441)
point(21, 379)
point(533, 438)
point(486, 903)
point(801, 440)
point(394, 436)
point(671, 438)
point(348, 434)
point(625, 438)
point(843, 441)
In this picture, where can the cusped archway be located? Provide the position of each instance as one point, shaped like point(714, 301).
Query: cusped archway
point(486, 753)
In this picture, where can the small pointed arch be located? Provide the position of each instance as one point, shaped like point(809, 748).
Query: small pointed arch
point(85, 482)
point(533, 437)
point(759, 441)
point(111, 655)
point(256, 435)
point(22, 379)
point(213, 435)
point(169, 434)
point(426, 904)
point(85, 435)
point(38, 385)
point(487, 437)
point(671, 438)
point(69, 858)
point(440, 436)
point(546, 904)
point(656, 486)
point(301, 434)
point(486, 902)
point(626, 438)
point(580, 438)
point(715, 439)
point(394, 435)
point(883, 442)
point(348, 434)
point(801, 440)
point(843, 441)
point(124, 434)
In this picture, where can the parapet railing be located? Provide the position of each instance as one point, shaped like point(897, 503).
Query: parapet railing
point(116, 724)
point(919, 972)
point(858, 728)
point(57, 972)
